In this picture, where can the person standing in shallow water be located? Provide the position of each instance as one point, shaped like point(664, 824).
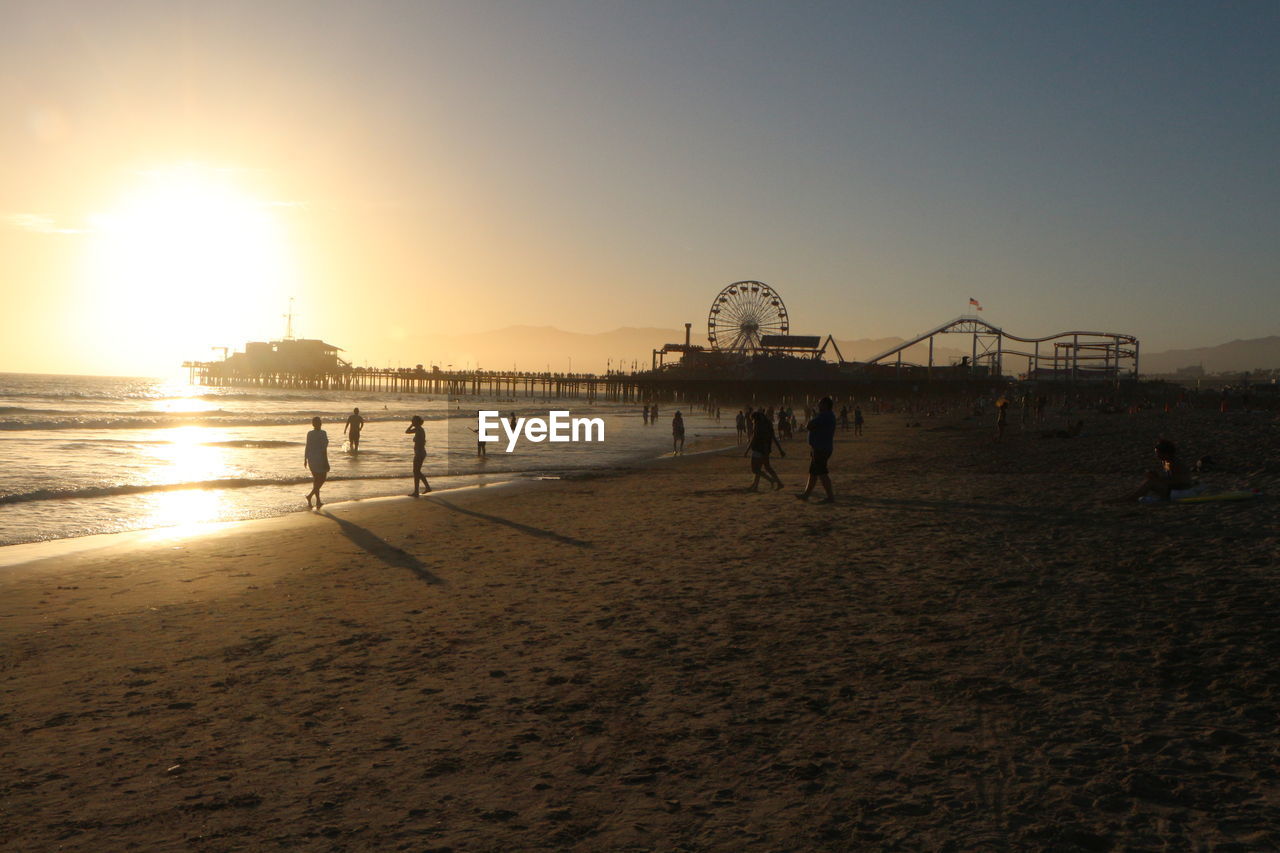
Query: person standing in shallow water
point(355, 423)
point(419, 454)
point(822, 436)
point(316, 459)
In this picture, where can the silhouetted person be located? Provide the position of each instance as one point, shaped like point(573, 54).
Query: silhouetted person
point(741, 422)
point(481, 446)
point(1002, 416)
point(762, 443)
point(646, 414)
point(857, 420)
point(677, 433)
point(822, 437)
point(844, 417)
point(316, 459)
point(355, 423)
point(1172, 474)
point(419, 454)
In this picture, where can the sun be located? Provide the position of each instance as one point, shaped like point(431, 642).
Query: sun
point(189, 258)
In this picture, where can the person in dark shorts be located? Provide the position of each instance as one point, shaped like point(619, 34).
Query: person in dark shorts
point(419, 454)
point(677, 433)
point(762, 443)
point(355, 423)
point(822, 437)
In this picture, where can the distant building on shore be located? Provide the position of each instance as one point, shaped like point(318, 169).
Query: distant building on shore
point(302, 356)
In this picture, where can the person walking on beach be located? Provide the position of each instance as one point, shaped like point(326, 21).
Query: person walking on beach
point(741, 422)
point(1002, 416)
point(857, 420)
point(316, 459)
point(822, 437)
point(762, 443)
point(844, 418)
point(355, 423)
point(419, 454)
point(646, 414)
point(677, 433)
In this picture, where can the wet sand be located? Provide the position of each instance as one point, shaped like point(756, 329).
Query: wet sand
point(971, 650)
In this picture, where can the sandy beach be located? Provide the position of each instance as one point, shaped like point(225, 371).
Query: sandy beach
point(973, 649)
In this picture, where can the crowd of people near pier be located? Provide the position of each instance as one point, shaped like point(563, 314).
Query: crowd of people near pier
point(761, 431)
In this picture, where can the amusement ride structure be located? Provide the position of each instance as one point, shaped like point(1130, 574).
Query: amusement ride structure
point(748, 322)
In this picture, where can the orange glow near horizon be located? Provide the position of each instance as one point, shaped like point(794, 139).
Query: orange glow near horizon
point(185, 260)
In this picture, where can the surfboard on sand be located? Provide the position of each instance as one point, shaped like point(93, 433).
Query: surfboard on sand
point(1238, 495)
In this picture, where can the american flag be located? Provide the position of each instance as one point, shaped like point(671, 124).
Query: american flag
point(974, 303)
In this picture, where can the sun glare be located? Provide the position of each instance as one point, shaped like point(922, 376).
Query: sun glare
point(188, 258)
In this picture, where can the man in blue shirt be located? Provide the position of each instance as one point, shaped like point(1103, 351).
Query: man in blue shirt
point(822, 437)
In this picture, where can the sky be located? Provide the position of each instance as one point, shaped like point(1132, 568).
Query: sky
point(174, 172)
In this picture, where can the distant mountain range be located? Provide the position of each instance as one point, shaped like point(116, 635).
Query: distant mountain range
point(1233, 357)
point(546, 347)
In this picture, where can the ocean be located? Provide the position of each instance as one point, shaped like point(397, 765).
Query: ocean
point(82, 455)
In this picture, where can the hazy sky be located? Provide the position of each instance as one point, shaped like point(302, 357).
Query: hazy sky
point(172, 172)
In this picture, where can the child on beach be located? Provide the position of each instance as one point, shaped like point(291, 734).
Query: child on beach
point(1172, 474)
point(1002, 416)
point(762, 443)
point(419, 454)
point(316, 459)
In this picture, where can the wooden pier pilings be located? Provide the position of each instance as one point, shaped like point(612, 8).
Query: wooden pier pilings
point(649, 386)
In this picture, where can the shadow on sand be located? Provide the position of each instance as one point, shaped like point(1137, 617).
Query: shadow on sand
point(382, 549)
point(514, 525)
point(1046, 513)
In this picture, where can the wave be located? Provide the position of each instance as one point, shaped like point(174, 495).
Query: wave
point(219, 418)
point(137, 489)
point(250, 442)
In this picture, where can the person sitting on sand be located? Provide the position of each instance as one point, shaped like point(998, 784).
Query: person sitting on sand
point(762, 442)
point(677, 433)
point(1172, 474)
point(419, 454)
point(316, 459)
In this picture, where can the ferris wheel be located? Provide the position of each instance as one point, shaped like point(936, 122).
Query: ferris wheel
point(744, 312)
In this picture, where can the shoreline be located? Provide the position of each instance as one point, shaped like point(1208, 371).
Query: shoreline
point(951, 655)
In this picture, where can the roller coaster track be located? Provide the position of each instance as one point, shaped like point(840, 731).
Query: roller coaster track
point(1076, 346)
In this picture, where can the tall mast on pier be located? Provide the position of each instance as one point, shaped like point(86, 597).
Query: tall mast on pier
point(288, 328)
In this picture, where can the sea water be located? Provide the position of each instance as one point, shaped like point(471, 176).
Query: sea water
point(81, 455)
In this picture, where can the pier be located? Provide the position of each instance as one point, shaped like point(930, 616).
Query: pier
point(613, 387)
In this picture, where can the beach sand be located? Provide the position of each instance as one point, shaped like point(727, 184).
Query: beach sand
point(971, 650)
